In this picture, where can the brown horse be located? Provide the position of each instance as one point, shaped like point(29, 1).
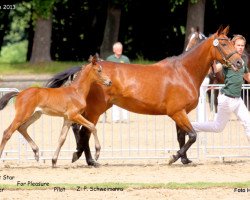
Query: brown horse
point(168, 87)
point(67, 102)
point(214, 77)
point(195, 38)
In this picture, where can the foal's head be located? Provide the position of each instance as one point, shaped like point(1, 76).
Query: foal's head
point(96, 72)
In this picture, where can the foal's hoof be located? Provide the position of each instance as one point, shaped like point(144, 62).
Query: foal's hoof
point(97, 156)
point(185, 161)
point(172, 159)
point(54, 163)
point(37, 157)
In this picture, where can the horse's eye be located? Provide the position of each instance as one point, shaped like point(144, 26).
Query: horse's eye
point(223, 44)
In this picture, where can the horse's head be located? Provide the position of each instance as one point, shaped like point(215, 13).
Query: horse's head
point(195, 39)
point(97, 57)
point(225, 51)
point(98, 74)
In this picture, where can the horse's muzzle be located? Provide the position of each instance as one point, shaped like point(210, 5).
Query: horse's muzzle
point(237, 65)
point(108, 83)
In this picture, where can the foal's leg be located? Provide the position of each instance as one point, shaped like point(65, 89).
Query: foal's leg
point(62, 138)
point(23, 130)
point(183, 122)
point(84, 122)
point(181, 139)
point(8, 133)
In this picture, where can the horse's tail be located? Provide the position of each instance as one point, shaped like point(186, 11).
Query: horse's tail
point(60, 78)
point(5, 99)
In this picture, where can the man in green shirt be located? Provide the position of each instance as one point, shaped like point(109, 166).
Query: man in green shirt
point(117, 56)
point(118, 114)
point(229, 99)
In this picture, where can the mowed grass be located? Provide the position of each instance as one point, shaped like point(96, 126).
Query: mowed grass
point(124, 186)
point(45, 68)
point(41, 68)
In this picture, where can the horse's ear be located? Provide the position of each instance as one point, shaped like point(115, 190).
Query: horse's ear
point(220, 30)
point(97, 56)
point(90, 58)
point(94, 59)
point(223, 30)
point(226, 30)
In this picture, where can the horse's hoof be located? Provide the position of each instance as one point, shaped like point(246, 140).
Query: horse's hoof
point(185, 161)
point(75, 157)
point(36, 154)
point(97, 164)
point(92, 162)
point(172, 159)
point(37, 157)
point(54, 163)
point(96, 156)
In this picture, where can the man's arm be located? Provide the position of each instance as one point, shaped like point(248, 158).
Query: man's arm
point(246, 76)
point(217, 66)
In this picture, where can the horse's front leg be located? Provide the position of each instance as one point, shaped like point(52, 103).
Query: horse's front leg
point(79, 148)
point(82, 136)
point(183, 122)
point(181, 137)
point(91, 127)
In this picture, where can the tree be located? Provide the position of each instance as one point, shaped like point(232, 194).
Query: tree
point(43, 30)
point(111, 31)
point(4, 26)
point(195, 16)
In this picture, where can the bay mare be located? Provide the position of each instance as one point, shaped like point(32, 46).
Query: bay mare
point(215, 77)
point(67, 102)
point(168, 87)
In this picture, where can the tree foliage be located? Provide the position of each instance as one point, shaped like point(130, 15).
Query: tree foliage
point(148, 29)
point(43, 8)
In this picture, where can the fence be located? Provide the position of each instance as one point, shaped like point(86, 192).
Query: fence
point(141, 137)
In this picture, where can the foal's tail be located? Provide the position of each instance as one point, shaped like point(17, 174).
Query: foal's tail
point(5, 99)
point(60, 78)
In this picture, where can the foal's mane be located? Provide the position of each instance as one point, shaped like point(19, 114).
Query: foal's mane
point(92, 59)
point(77, 75)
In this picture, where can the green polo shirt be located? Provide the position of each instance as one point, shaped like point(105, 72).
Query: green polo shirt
point(122, 59)
point(234, 80)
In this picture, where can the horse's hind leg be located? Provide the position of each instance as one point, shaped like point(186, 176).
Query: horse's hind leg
point(23, 130)
point(8, 133)
point(181, 139)
point(62, 138)
point(183, 122)
point(79, 147)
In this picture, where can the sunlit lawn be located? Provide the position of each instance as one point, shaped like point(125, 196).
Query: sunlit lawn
point(44, 68)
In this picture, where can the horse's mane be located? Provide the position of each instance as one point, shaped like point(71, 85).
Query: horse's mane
point(62, 77)
point(180, 56)
point(70, 75)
